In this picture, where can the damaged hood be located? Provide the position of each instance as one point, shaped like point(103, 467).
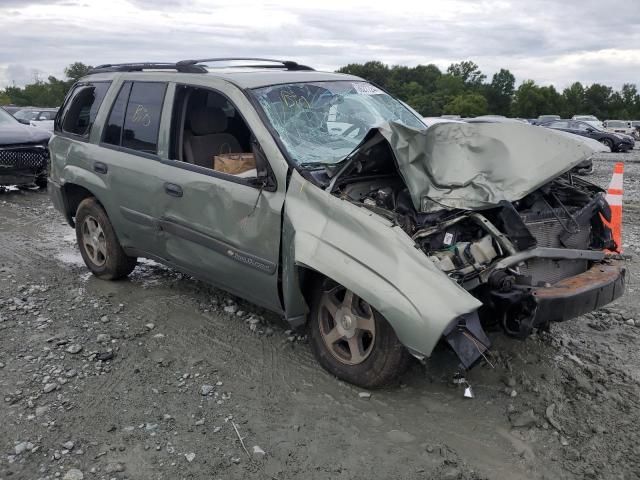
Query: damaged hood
point(476, 166)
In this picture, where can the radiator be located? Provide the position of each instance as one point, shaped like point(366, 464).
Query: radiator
point(546, 228)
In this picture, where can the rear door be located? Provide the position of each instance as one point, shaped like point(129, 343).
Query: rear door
point(128, 164)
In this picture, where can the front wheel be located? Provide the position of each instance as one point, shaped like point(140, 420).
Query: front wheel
point(99, 246)
point(353, 341)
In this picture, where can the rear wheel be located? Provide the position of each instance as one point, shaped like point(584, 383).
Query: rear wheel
point(607, 142)
point(98, 243)
point(353, 341)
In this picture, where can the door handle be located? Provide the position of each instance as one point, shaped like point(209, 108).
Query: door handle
point(100, 167)
point(173, 189)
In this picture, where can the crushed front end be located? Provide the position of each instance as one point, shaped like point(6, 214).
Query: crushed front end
point(529, 245)
point(534, 261)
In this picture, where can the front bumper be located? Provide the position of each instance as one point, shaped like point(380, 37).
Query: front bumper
point(583, 293)
point(536, 307)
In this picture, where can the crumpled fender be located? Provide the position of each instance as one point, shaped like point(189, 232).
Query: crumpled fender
point(376, 260)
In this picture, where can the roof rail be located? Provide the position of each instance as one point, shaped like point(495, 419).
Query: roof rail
point(194, 66)
point(140, 66)
point(287, 64)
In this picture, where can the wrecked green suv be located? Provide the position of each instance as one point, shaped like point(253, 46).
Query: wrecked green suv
point(321, 197)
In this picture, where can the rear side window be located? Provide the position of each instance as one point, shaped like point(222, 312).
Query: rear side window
point(82, 107)
point(142, 119)
point(134, 120)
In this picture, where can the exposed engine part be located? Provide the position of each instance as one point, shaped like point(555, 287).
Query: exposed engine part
point(465, 257)
point(501, 281)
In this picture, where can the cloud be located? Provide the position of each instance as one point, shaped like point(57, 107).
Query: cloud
point(544, 40)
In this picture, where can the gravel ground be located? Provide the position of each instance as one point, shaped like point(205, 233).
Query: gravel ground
point(163, 377)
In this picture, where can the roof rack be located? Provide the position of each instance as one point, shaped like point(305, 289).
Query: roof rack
point(194, 66)
point(287, 64)
point(140, 66)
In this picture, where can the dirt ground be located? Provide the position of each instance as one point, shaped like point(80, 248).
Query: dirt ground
point(158, 376)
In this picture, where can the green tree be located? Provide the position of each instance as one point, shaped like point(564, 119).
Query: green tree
point(376, 72)
point(44, 94)
point(500, 91)
point(77, 70)
point(529, 101)
point(467, 105)
point(469, 72)
point(573, 100)
point(596, 100)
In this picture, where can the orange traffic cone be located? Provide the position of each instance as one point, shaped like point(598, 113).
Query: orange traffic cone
point(614, 198)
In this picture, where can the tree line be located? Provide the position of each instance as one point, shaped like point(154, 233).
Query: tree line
point(42, 93)
point(464, 90)
point(461, 90)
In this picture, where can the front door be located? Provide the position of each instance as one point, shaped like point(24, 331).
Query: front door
point(219, 226)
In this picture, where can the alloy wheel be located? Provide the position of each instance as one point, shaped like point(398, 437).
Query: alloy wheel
point(347, 325)
point(94, 241)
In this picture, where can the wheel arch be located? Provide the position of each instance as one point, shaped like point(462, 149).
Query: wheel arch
point(74, 194)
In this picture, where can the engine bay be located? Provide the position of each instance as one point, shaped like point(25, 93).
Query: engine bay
point(475, 248)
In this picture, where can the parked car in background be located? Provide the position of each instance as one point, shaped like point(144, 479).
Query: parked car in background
point(45, 119)
point(635, 124)
point(493, 119)
point(590, 119)
point(382, 238)
point(11, 109)
point(547, 118)
point(23, 153)
point(429, 121)
point(618, 126)
point(616, 142)
point(26, 115)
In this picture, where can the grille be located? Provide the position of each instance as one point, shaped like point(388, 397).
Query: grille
point(27, 158)
point(546, 229)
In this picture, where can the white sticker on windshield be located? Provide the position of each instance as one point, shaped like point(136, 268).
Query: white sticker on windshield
point(364, 88)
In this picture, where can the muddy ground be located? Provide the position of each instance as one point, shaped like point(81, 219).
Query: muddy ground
point(149, 378)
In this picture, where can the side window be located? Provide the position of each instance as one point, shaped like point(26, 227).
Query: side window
point(142, 117)
point(113, 129)
point(82, 107)
point(208, 131)
point(559, 124)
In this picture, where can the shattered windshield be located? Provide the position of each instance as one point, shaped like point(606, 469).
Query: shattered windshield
point(322, 122)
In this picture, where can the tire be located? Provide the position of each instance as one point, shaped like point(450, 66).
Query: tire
point(99, 246)
point(41, 181)
point(608, 143)
point(381, 358)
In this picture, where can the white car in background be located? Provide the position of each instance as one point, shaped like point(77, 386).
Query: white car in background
point(590, 119)
point(44, 120)
point(37, 117)
point(619, 126)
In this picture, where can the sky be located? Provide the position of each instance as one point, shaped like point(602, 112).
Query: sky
point(550, 41)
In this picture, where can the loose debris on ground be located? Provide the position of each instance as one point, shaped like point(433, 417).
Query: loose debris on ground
point(164, 377)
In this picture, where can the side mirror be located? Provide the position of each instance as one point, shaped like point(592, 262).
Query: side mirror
point(264, 177)
point(590, 130)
